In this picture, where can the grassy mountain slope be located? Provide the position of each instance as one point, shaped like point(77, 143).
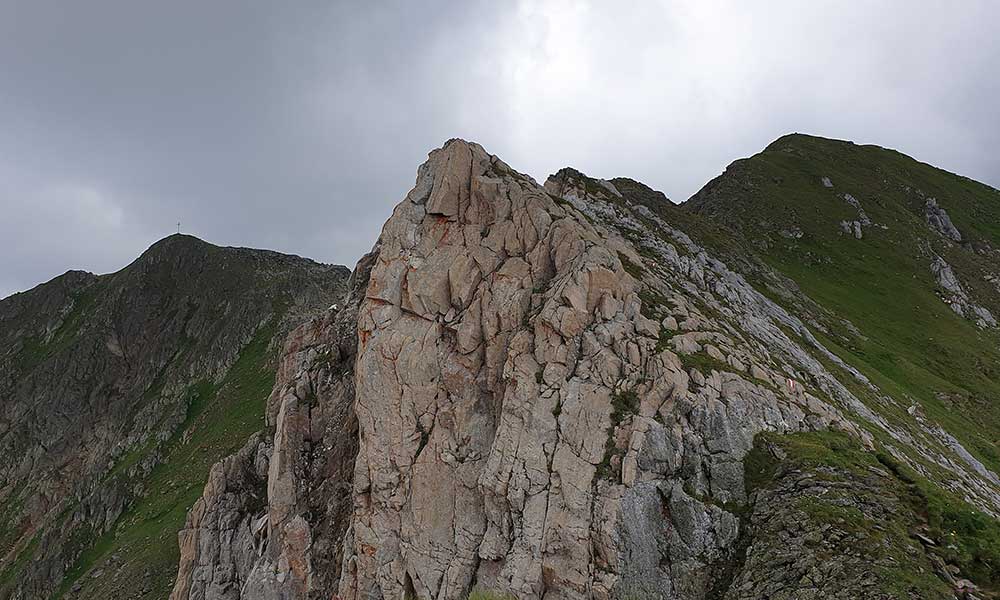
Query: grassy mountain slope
point(907, 339)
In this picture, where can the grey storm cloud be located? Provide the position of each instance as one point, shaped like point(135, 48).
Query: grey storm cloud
point(298, 126)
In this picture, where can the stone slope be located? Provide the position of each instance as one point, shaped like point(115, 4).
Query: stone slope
point(98, 376)
point(905, 435)
point(554, 392)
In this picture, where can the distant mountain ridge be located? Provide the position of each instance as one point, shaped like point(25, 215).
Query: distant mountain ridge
point(100, 374)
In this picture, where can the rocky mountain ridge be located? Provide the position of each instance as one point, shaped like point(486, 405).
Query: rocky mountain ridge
point(555, 392)
point(582, 390)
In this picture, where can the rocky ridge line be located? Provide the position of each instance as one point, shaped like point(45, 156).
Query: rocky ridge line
point(554, 393)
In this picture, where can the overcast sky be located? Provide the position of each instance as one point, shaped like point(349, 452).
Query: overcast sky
point(297, 126)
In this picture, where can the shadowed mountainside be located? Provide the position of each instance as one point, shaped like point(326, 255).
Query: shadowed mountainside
point(117, 392)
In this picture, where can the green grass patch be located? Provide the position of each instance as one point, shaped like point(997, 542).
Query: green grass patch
point(623, 404)
point(654, 304)
point(968, 537)
point(663, 340)
point(480, 593)
point(704, 363)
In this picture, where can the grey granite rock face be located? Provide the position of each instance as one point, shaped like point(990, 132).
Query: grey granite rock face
point(855, 227)
point(223, 538)
point(852, 228)
point(511, 368)
point(862, 215)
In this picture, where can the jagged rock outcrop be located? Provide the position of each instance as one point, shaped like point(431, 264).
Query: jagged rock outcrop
point(519, 427)
point(937, 217)
point(222, 530)
point(554, 392)
point(956, 297)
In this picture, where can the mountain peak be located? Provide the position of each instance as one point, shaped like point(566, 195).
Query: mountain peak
point(801, 139)
point(570, 182)
point(175, 239)
point(173, 246)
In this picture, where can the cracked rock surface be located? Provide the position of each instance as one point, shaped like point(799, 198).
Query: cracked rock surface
point(527, 420)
